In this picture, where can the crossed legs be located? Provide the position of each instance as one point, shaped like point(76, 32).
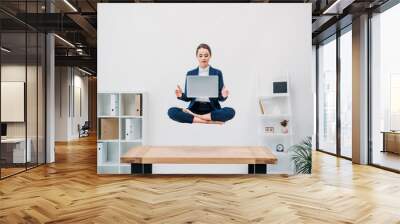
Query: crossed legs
point(218, 116)
point(201, 118)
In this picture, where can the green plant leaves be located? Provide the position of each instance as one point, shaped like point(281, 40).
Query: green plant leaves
point(302, 156)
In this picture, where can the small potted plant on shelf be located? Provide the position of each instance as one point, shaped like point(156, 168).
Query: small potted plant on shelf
point(284, 125)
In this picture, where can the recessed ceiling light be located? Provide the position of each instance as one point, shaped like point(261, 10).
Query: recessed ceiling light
point(5, 50)
point(84, 71)
point(337, 7)
point(70, 5)
point(64, 40)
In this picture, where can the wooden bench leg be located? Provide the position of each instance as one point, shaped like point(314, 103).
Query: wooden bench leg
point(139, 168)
point(257, 169)
point(136, 168)
point(147, 168)
point(251, 169)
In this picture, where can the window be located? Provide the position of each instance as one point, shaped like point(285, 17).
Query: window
point(334, 106)
point(327, 97)
point(385, 89)
point(346, 94)
point(394, 101)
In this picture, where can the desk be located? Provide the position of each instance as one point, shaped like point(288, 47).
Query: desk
point(13, 150)
point(391, 142)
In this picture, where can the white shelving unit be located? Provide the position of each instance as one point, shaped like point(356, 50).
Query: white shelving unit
point(120, 127)
point(275, 109)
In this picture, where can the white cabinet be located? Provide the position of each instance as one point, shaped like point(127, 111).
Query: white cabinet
point(107, 104)
point(120, 128)
point(131, 128)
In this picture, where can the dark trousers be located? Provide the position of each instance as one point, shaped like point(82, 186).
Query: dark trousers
point(223, 114)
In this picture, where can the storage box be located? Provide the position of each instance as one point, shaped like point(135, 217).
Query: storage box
point(108, 129)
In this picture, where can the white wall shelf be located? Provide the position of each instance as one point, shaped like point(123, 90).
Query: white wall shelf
point(275, 116)
point(277, 135)
point(123, 120)
point(137, 140)
point(128, 116)
point(109, 164)
point(107, 116)
point(278, 95)
point(99, 140)
point(275, 108)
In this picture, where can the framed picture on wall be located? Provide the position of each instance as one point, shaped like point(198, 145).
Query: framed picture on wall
point(280, 87)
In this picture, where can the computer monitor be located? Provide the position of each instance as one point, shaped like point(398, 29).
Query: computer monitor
point(3, 129)
point(202, 86)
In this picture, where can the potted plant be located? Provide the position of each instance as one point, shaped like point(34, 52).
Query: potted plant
point(284, 125)
point(301, 155)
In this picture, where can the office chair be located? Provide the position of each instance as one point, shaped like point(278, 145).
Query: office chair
point(84, 130)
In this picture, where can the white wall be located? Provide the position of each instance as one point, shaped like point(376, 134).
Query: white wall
point(150, 47)
point(314, 81)
point(18, 73)
point(33, 127)
point(61, 103)
point(66, 121)
point(80, 82)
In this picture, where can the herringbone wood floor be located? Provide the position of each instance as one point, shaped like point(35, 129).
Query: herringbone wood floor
point(70, 191)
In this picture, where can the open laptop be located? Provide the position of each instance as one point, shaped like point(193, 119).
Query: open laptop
point(202, 86)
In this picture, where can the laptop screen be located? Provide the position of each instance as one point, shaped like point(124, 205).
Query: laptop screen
point(202, 86)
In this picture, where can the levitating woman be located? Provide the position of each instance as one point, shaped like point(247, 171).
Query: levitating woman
point(203, 110)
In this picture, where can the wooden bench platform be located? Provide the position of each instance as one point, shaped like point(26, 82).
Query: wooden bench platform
point(141, 158)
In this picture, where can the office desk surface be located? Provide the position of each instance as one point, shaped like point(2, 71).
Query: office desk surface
point(199, 155)
point(13, 140)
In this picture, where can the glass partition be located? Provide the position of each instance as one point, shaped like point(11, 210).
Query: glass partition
point(13, 94)
point(22, 63)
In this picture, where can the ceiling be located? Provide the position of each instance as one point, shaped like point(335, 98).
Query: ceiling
point(76, 22)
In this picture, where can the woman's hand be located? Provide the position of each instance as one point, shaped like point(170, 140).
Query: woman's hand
point(178, 91)
point(224, 92)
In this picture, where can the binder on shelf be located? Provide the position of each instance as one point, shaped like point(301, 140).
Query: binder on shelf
point(113, 105)
point(108, 128)
point(101, 152)
point(261, 106)
point(129, 129)
point(138, 105)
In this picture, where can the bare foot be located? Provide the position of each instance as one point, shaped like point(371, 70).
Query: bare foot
point(206, 117)
point(194, 114)
point(189, 112)
point(215, 122)
point(201, 121)
point(198, 120)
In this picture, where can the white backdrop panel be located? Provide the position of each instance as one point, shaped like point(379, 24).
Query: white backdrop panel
point(150, 47)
